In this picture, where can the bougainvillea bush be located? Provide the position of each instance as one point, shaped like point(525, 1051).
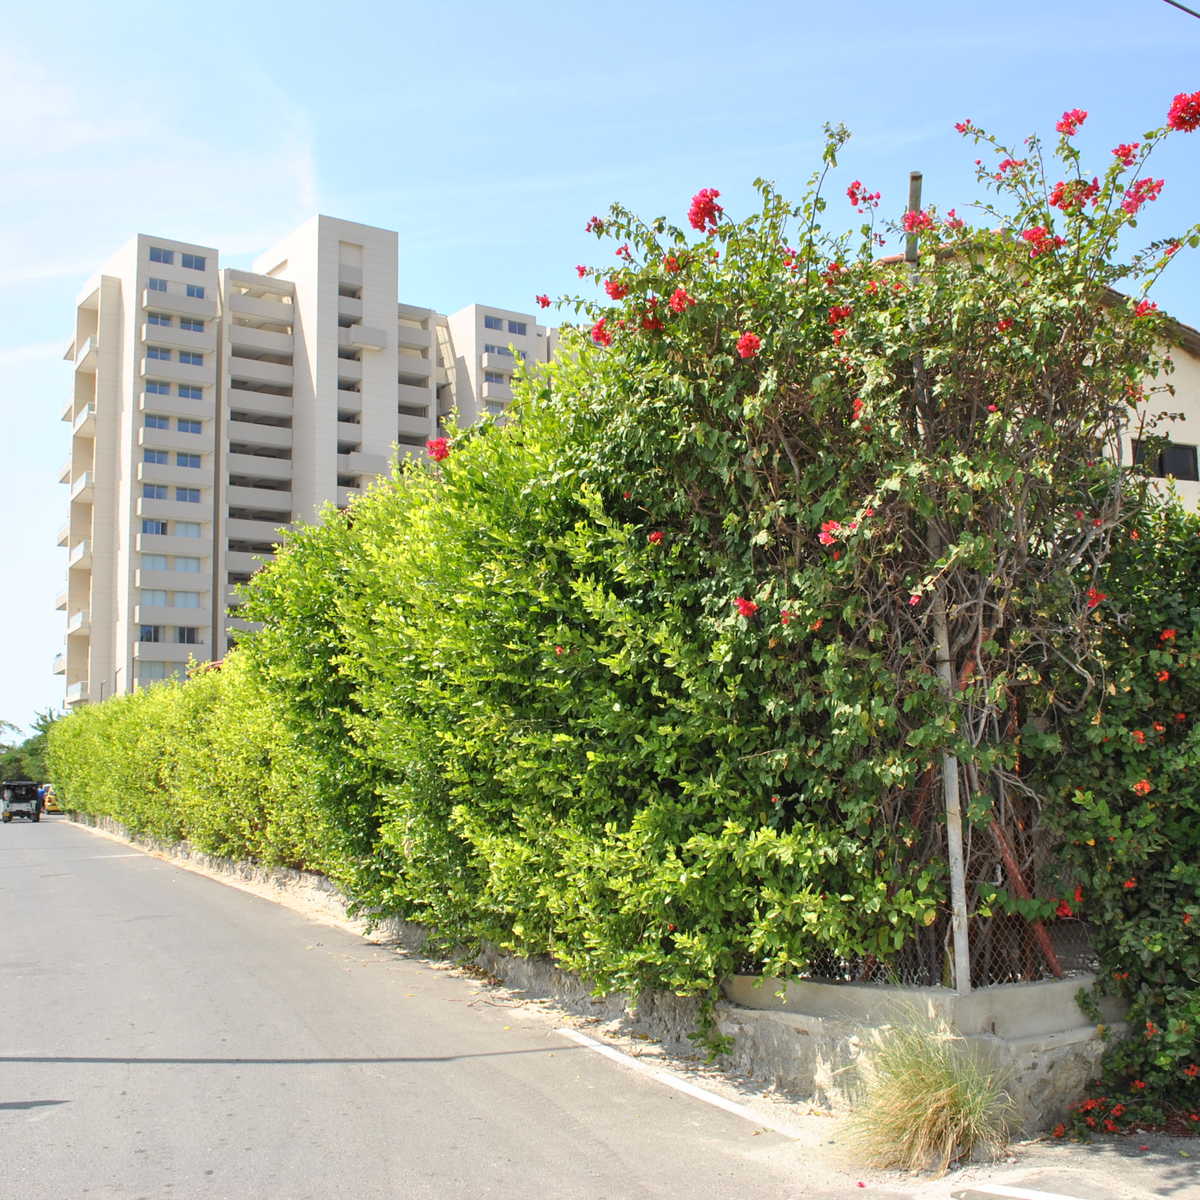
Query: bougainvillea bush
point(660, 675)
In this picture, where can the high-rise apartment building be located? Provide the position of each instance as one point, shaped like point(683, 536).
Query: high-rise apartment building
point(211, 407)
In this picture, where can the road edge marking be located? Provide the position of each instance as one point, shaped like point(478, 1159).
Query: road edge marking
point(681, 1085)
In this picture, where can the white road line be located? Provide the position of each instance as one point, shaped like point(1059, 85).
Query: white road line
point(680, 1085)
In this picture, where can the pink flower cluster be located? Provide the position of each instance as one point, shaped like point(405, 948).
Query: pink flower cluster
point(747, 608)
point(438, 448)
point(679, 300)
point(600, 333)
point(1070, 122)
point(616, 289)
point(1139, 193)
point(748, 345)
point(1074, 194)
point(914, 221)
point(860, 198)
point(705, 210)
point(1184, 114)
point(1041, 240)
point(1127, 153)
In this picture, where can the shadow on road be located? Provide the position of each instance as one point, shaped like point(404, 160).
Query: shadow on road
point(12, 1104)
point(266, 1062)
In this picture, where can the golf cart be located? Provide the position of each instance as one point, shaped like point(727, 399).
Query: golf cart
point(21, 799)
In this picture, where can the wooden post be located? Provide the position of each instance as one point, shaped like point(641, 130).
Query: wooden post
point(945, 668)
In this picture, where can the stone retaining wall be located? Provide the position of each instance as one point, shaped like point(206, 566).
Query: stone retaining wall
point(804, 1039)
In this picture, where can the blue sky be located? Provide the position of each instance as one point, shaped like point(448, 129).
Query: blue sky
point(487, 134)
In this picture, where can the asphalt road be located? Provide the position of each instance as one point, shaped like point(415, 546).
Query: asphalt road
point(165, 1035)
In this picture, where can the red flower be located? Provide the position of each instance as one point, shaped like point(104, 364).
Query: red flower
point(1126, 152)
point(1040, 240)
point(626, 495)
point(581, 271)
point(1152, 1030)
point(1184, 113)
point(914, 600)
point(600, 334)
point(1070, 121)
point(838, 334)
point(1111, 1126)
point(1131, 883)
point(705, 210)
point(1058, 1131)
point(679, 300)
point(1144, 307)
point(857, 405)
point(1163, 676)
point(1181, 716)
point(747, 608)
point(860, 198)
point(594, 225)
point(1010, 164)
point(1064, 909)
point(1137, 1085)
point(1142, 787)
point(915, 221)
point(954, 221)
point(1118, 1110)
point(1094, 597)
point(839, 312)
point(785, 617)
point(655, 537)
point(993, 408)
point(544, 301)
point(1004, 325)
point(1167, 635)
point(748, 345)
point(1074, 194)
point(672, 264)
point(828, 530)
point(1138, 193)
point(438, 448)
point(1192, 1070)
point(1159, 727)
point(1079, 895)
point(558, 649)
point(1139, 737)
point(615, 289)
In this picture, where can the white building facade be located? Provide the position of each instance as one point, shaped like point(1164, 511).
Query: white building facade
point(212, 407)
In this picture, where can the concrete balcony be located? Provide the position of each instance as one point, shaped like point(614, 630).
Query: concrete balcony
point(80, 556)
point(165, 543)
point(496, 391)
point(409, 396)
point(249, 433)
point(413, 338)
point(246, 337)
point(241, 529)
point(363, 337)
point(349, 307)
point(79, 622)
point(257, 371)
point(348, 401)
point(262, 500)
point(83, 488)
point(202, 341)
point(349, 370)
point(85, 356)
point(172, 439)
point(175, 406)
point(173, 510)
point(173, 476)
point(84, 423)
point(170, 614)
point(173, 581)
point(60, 602)
point(176, 302)
point(64, 535)
point(498, 362)
point(254, 466)
point(259, 403)
point(420, 426)
point(68, 410)
point(77, 693)
point(348, 432)
point(177, 372)
point(362, 464)
point(64, 472)
point(268, 309)
point(59, 666)
point(410, 366)
point(171, 652)
point(244, 563)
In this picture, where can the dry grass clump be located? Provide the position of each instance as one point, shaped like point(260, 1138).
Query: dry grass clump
point(929, 1098)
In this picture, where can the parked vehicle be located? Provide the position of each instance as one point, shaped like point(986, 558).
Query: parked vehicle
point(50, 799)
point(20, 799)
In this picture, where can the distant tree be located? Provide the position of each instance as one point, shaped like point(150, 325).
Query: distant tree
point(26, 759)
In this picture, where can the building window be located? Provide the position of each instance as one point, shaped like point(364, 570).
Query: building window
point(494, 377)
point(192, 359)
point(156, 285)
point(493, 323)
point(187, 564)
point(150, 633)
point(158, 352)
point(153, 562)
point(503, 350)
point(154, 672)
point(159, 528)
point(158, 318)
point(187, 392)
point(154, 491)
point(186, 460)
point(195, 291)
point(191, 323)
point(187, 635)
point(495, 407)
point(154, 598)
point(186, 425)
point(187, 529)
point(1174, 459)
point(154, 421)
point(518, 327)
point(193, 262)
point(156, 387)
point(158, 254)
point(188, 495)
point(161, 457)
point(186, 599)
